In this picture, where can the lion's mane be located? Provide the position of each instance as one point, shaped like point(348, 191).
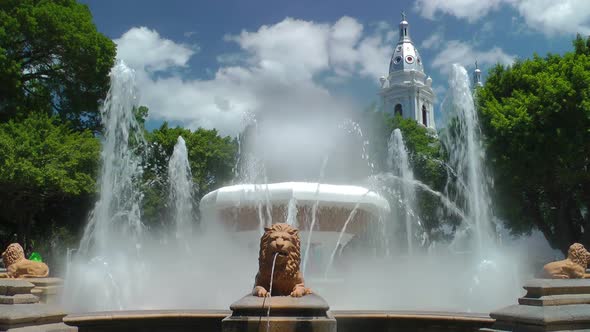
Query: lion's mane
point(578, 254)
point(13, 253)
point(292, 267)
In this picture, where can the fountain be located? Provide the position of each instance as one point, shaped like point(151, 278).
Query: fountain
point(123, 265)
point(237, 208)
point(462, 139)
point(400, 166)
point(181, 192)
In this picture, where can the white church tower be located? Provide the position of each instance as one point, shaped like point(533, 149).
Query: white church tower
point(407, 90)
point(477, 77)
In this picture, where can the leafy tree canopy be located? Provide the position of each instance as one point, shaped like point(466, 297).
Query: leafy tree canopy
point(43, 161)
point(52, 60)
point(536, 119)
point(211, 158)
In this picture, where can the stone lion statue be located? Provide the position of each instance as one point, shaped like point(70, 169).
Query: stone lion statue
point(17, 266)
point(573, 267)
point(281, 240)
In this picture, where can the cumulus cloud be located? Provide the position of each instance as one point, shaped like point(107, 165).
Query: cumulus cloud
point(470, 10)
point(433, 42)
point(144, 49)
point(463, 53)
point(547, 16)
point(277, 70)
point(555, 17)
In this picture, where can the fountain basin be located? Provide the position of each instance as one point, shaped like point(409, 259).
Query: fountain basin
point(210, 320)
point(243, 209)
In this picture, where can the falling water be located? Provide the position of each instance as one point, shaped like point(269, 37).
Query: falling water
point(116, 215)
point(181, 190)
point(272, 274)
point(466, 155)
point(111, 246)
point(314, 212)
point(452, 207)
point(291, 213)
point(399, 163)
point(350, 217)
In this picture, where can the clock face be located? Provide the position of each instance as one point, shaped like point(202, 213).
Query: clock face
point(397, 59)
point(410, 59)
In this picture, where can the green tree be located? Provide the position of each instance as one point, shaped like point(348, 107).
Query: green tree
point(43, 163)
point(52, 60)
point(211, 158)
point(427, 160)
point(536, 120)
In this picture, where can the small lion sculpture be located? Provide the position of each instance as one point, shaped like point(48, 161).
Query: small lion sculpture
point(281, 240)
point(573, 267)
point(17, 266)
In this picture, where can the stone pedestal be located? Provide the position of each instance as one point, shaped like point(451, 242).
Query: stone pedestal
point(47, 289)
point(307, 313)
point(20, 310)
point(549, 305)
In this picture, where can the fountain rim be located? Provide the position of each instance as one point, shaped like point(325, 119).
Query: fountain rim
point(98, 318)
point(306, 194)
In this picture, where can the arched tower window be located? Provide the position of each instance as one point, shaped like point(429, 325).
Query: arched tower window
point(398, 110)
point(424, 116)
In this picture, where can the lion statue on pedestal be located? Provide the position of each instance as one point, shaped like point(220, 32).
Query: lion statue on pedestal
point(573, 267)
point(17, 266)
point(281, 240)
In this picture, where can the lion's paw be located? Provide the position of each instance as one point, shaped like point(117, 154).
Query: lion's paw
point(300, 291)
point(260, 292)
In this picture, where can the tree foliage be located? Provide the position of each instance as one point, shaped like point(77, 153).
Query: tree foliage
point(427, 160)
point(43, 162)
point(52, 60)
point(211, 158)
point(536, 119)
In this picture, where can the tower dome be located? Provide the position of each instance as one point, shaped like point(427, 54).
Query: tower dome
point(407, 90)
point(405, 56)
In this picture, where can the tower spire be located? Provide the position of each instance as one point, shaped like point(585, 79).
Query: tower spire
point(404, 34)
point(477, 77)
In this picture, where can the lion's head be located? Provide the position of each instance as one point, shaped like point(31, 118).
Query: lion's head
point(13, 253)
point(283, 240)
point(578, 254)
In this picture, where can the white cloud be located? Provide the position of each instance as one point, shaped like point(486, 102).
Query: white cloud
point(142, 48)
point(465, 54)
point(471, 10)
point(556, 17)
point(547, 16)
point(278, 70)
point(433, 42)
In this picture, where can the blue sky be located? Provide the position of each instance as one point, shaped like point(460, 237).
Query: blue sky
point(216, 64)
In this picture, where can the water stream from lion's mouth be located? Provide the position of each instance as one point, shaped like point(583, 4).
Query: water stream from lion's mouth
point(272, 273)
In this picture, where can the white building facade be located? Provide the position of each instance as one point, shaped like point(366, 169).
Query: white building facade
point(407, 90)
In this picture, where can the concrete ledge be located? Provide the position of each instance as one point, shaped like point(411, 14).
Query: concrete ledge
point(549, 305)
point(148, 320)
point(210, 320)
point(574, 314)
point(19, 299)
point(20, 315)
point(403, 321)
point(553, 300)
point(542, 287)
point(11, 287)
point(54, 327)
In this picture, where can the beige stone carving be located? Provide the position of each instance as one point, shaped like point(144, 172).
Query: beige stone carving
point(288, 279)
point(573, 267)
point(17, 266)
